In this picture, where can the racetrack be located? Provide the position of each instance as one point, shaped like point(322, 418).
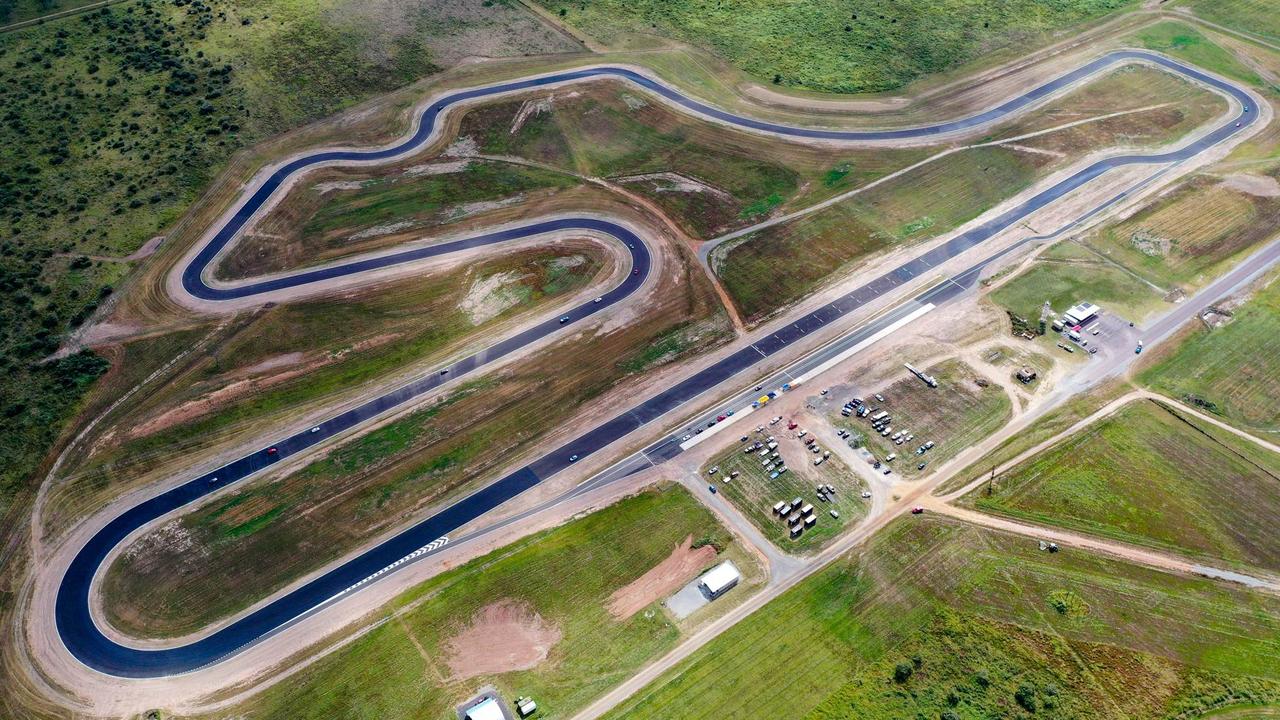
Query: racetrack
point(75, 623)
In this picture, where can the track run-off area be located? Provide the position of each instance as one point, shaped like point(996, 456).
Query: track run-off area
point(76, 625)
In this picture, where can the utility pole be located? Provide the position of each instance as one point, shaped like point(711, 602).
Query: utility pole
point(991, 481)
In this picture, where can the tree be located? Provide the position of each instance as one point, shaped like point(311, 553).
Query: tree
point(902, 672)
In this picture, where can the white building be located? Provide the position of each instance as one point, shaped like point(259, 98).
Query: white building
point(1080, 314)
point(719, 579)
point(486, 709)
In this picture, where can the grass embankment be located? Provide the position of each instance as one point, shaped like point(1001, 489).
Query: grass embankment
point(269, 364)
point(832, 46)
point(754, 493)
point(1153, 475)
point(1231, 370)
point(174, 580)
point(955, 415)
point(778, 265)
point(347, 211)
point(566, 576)
point(115, 121)
point(940, 619)
point(1067, 274)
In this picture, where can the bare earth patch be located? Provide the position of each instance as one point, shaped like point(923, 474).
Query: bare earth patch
point(503, 636)
point(681, 566)
point(1258, 185)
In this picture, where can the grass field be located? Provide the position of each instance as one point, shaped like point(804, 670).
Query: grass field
point(939, 619)
point(565, 576)
point(1229, 370)
point(381, 479)
point(1187, 43)
point(1067, 274)
point(955, 415)
point(771, 268)
point(1257, 17)
point(836, 46)
point(1187, 237)
point(754, 493)
point(1045, 427)
point(1151, 475)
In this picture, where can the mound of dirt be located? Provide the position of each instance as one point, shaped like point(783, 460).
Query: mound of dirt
point(503, 636)
point(681, 566)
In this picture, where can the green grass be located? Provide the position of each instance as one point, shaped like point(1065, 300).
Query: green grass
point(1045, 427)
point(565, 575)
point(1256, 17)
point(1063, 282)
point(783, 263)
point(835, 46)
point(972, 614)
point(1186, 43)
point(1153, 476)
point(955, 415)
point(754, 493)
point(1231, 370)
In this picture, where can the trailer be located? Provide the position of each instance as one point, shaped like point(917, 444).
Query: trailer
point(796, 530)
point(777, 507)
point(810, 521)
point(879, 415)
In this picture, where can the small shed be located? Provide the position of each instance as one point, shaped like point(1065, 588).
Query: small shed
point(719, 579)
point(1026, 375)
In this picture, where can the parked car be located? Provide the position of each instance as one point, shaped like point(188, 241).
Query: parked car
point(917, 510)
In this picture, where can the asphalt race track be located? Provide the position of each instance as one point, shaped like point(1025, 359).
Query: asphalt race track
point(75, 623)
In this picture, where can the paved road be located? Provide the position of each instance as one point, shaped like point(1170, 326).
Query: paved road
point(85, 641)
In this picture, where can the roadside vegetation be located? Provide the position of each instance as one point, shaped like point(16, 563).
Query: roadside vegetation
point(939, 619)
point(956, 415)
point(1153, 475)
point(565, 578)
point(834, 46)
point(1228, 371)
point(754, 492)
